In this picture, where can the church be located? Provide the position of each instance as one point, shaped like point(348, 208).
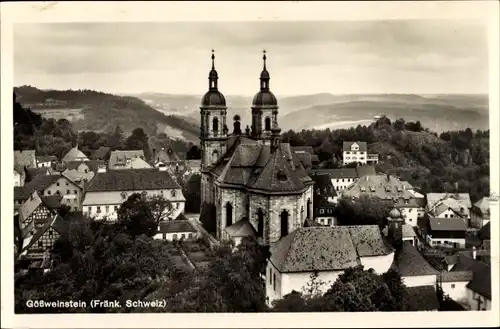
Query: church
point(257, 184)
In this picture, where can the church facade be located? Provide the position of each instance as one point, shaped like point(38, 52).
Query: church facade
point(251, 176)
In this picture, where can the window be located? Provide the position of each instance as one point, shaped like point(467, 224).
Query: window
point(270, 276)
point(174, 236)
point(75, 192)
point(229, 214)
point(49, 192)
point(215, 125)
point(268, 123)
point(190, 235)
point(274, 281)
point(67, 192)
point(57, 183)
point(453, 285)
point(107, 209)
point(50, 233)
point(89, 209)
point(329, 221)
point(284, 223)
point(58, 193)
point(446, 216)
point(173, 193)
point(321, 211)
point(40, 244)
point(67, 184)
point(177, 205)
point(98, 209)
point(86, 171)
point(183, 236)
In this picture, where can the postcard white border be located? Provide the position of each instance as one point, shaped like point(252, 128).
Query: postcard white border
point(30, 12)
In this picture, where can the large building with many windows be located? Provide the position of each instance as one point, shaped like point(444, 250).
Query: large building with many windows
point(250, 175)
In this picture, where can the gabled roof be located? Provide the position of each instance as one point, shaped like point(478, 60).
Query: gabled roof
point(408, 231)
point(119, 158)
point(482, 207)
point(322, 182)
point(132, 180)
point(434, 198)
point(409, 262)
point(33, 172)
point(41, 182)
point(422, 298)
point(92, 164)
point(25, 158)
point(481, 281)
point(74, 154)
point(447, 224)
point(241, 228)
point(166, 155)
point(305, 159)
point(176, 226)
point(386, 187)
point(456, 276)
point(29, 206)
point(101, 153)
point(327, 248)
point(346, 146)
point(58, 223)
point(22, 193)
point(46, 158)
point(52, 202)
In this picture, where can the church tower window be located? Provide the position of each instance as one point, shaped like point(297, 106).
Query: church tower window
point(229, 214)
point(215, 156)
point(215, 125)
point(284, 223)
point(308, 209)
point(260, 223)
point(268, 123)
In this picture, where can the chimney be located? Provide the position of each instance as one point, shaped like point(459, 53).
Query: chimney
point(154, 155)
point(474, 254)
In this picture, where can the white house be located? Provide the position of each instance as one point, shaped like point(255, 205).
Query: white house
point(478, 289)
point(45, 161)
point(454, 284)
point(449, 205)
point(445, 232)
point(480, 213)
point(342, 178)
point(354, 152)
point(415, 271)
point(109, 189)
point(173, 230)
point(327, 251)
point(123, 159)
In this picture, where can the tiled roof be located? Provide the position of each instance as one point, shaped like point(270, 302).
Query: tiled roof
point(346, 146)
point(51, 201)
point(311, 223)
point(166, 155)
point(481, 281)
point(28, 207)
point(101, 153)
point(56, 223)
point(322, 182)
point(422, 298)
point(434, 198)
point(305, 159)
point(25, 158)
point(19, 169)
point(408, 231)
point(482, 207)
point(92, 164)
point(327, 248)
point(132, 180)
point(119, 158)
point(338, 173)
point(365, 170)
point(41, 182)
point(314, 158)
point(33, 172)
point(248, 164)
point(241, 228)
point(21, 193)
point(456, 276)
point(176, 226)
point(485, 232)
point(447, 224)
point(409, 262)
point(385, 187)
point(446, 204)
point(74, 154)
point(46, 158)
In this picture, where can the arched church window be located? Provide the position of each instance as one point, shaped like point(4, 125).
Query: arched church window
point(284, 223)
point(302, 213)
point(215, 124)
point(260, 223)
point(268, 123)
point(229, 214)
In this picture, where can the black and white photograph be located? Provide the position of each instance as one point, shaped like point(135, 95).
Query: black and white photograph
point(265, 166)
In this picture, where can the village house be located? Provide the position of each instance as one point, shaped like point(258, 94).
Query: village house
point(354, 152)
point(239, 230)
point(25, 158)
point(306, 154)
point(108, 190)
point(168, 158)
point(480, 213)
point(123, 160)
point(176, 230)
point(444, 232)
point(327, 251)
point(396, 193)
point(478, 289)
point(82, 172)
point(58, 184)
point(74, 155)
point(449, 205)
point(35, 246)
point(342, 178)
point(324, 213)
point(46, 161)
point(19, 175)
point(454, 284)
point(31, 173)
point(102, 153)
point(21, 194)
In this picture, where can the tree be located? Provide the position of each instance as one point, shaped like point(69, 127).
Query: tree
point(138, 140)
point(399, 124)
point(194, 153)
point(365, 210)
point(116, 140)
point(136, 217)
point(160, 207)
point(191, 191)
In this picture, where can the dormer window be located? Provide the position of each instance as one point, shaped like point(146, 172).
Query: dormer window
point(173, 193)
point(281, 176)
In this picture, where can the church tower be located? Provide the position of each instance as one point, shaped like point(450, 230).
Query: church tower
point(264, 109)
point(213, 130)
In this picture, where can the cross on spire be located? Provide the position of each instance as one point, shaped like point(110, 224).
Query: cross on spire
point(213, 59)
point(264, 58)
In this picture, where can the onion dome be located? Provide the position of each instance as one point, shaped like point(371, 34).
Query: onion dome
point(213, 97)
point(395, 214)
point(264, 97)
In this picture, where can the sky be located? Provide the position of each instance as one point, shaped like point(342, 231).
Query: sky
point(303, 57)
